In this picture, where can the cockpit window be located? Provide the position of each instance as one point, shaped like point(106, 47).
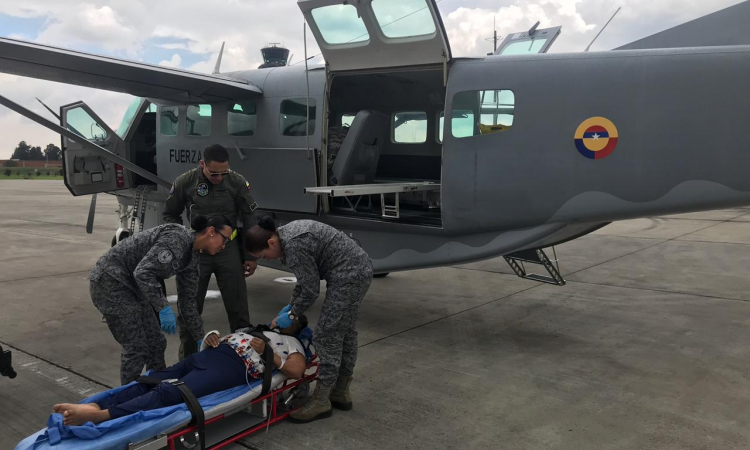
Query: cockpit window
point(168, 120)
point(127, 119)
point(493, 109)
point(81, 123)
point(340, 24)
point(403, 18)
point(242, 119)
point(198, 120)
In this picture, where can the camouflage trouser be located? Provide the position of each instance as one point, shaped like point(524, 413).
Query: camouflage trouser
point(230, 276)
point(135, 326)
point(336, 333)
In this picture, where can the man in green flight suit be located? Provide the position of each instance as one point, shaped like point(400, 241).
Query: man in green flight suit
point(212, 189)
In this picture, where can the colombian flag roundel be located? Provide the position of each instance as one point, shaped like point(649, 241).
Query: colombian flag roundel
point(596, 138)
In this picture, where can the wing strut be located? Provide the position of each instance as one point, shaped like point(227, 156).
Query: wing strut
point(83, 141)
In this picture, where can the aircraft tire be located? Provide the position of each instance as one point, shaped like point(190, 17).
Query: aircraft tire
point(123, 235)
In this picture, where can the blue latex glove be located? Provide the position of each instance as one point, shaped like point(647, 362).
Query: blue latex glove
point(167, 319)
point(287, 308)
point(283, 320)
point(200, 344)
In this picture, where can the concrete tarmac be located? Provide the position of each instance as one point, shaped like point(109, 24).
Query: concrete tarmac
point(645, 347)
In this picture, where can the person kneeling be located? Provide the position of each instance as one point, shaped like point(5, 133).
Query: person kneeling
point(229, 361)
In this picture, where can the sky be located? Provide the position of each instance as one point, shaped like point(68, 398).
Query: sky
point(188, 34)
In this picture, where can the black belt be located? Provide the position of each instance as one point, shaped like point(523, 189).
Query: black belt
point(268, 357)
point(199, 418)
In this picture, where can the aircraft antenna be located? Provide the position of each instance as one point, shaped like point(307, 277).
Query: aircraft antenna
point(218, 60)
point(307, 82)
point(48, 108)
point(605, 26)
point(494, 38)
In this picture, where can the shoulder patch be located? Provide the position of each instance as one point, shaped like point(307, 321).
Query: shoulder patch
point(247, 185)
point(165, 256)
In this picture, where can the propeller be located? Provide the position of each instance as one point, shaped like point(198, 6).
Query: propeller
point(92, 213)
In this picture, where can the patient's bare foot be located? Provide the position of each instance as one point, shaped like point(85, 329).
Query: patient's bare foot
point(78, 414)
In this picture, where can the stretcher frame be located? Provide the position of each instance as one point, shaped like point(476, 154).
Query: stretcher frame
point(231, 426)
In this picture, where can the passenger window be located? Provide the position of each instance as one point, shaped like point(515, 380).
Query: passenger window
point(410, 127)
point(293, 116)
point(403, 18)
point(494, 110)
point(198, 120)
point(168, 120)
point(441, 124)
point(347, 119)
point(242, 119)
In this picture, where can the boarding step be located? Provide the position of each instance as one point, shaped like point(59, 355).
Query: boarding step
point(388, 211)
point(518, 260)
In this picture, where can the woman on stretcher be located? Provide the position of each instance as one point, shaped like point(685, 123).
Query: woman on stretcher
point(229, 361)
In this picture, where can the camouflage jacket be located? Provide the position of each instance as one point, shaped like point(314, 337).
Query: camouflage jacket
point(140, 261)
point(231, 198)
point(314, 251)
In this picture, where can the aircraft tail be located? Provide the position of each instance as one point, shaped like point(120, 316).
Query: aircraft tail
point(726, 27)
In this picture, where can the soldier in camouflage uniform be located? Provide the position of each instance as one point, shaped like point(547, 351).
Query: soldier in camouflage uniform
point(314, 251)
point(125, 287)
point(212, 190)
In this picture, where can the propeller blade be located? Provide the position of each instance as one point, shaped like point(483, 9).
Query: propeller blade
point(92, 213)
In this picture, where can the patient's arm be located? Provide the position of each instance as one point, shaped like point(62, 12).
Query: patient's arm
point(294, 367)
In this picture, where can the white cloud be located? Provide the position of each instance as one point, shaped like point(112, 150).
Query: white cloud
point(175, 61)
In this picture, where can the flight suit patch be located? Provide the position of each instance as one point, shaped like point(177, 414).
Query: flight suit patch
point(254, 206)
point(202, 189)
point(165, 256)
point(247, 185)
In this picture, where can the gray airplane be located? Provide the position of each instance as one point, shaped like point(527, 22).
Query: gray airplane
point(424, 159)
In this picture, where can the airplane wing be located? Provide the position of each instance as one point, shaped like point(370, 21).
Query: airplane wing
point(725, 27)
point(142, 80)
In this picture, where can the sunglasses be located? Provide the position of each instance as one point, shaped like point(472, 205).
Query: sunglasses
point(227, 239)
point(217, 174)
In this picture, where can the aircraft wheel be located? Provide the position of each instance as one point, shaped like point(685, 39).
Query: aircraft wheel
point(123, 235)
point(381, 275)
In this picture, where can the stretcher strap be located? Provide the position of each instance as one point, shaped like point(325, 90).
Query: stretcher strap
point(267, 362)
point(199, 417)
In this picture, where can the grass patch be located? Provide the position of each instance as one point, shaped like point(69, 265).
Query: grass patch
point(28, 173)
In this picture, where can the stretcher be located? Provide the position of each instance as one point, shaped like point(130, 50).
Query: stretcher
point(229, 415)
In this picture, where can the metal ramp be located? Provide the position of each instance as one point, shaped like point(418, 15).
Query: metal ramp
point(518, 260)
point(387, 211)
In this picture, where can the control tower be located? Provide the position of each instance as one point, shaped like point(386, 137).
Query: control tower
point(274, 55)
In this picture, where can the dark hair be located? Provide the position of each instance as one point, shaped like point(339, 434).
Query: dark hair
point(200, 223)
point(256, 238)
point(216, 153)
point(302, 322)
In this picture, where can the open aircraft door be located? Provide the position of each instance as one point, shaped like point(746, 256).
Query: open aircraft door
point(370, 34)
point(86, 171)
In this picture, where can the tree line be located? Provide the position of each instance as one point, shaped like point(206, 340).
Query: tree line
point(26, 152)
